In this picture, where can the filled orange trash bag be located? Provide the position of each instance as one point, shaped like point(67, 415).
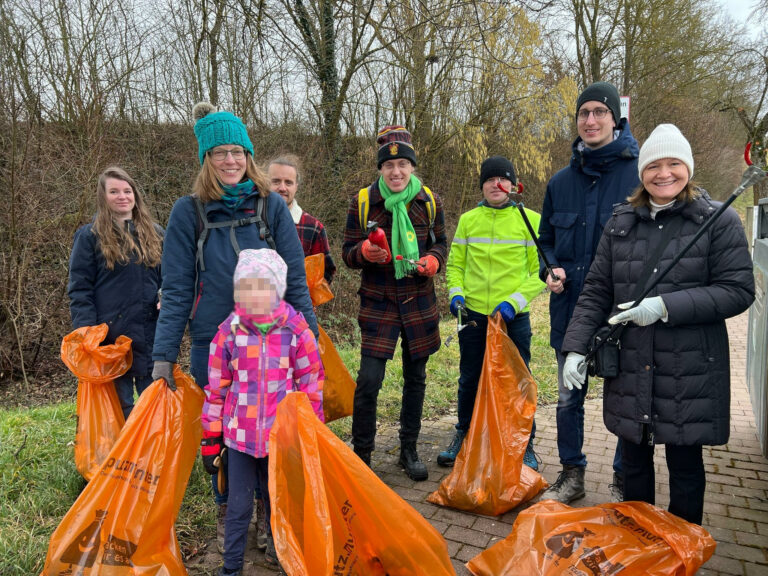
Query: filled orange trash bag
point(339, 386)
point(123, 521)
point(488, 476)
point(99, 415)
point(332, 516)
point(319, 290)
point(551, 538)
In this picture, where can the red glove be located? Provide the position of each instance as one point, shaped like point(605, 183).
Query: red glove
point(427, 266)
point(373, 253)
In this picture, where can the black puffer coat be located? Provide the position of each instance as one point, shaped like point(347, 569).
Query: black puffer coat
point(675, 376)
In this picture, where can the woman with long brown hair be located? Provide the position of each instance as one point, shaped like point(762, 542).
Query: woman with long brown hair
point(114, 275)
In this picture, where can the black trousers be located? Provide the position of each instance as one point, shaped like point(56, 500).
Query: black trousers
point(369, 380)
point(687, 479)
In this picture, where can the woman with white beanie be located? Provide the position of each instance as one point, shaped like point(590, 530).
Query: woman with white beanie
point(673, 386)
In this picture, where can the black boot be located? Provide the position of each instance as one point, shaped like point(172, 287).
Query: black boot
point(409, 459)
point(364, 455)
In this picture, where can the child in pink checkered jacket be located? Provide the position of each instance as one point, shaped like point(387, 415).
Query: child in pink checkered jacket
point(262, 351)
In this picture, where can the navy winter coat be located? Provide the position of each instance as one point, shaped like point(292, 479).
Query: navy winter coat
point(675, 375)
point(215, 298)
point(578, 203)
point(124, 298)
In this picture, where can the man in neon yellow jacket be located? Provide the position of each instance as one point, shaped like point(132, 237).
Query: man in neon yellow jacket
point(493, 267)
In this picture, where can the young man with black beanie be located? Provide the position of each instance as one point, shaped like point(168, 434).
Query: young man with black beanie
point(578, 202)
point(492, 268)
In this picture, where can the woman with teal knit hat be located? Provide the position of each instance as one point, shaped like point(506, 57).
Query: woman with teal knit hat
point(206, 231)
point(397, 293)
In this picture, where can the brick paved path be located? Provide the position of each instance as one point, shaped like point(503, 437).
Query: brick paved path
point(736, 503)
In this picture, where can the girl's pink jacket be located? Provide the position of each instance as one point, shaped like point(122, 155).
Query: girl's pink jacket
point(249, 373)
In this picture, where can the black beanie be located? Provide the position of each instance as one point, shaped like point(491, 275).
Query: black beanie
point(604, 92)
point(497, 166)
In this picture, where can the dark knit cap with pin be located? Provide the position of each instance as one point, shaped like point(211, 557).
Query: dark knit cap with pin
point(497, 166)
point(603, 92)
point(394, 142)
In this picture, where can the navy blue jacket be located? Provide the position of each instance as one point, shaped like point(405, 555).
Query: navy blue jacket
point(215, 299)
point(124, 298)
point(578, 203)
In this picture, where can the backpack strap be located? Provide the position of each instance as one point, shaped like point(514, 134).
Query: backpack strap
point(204, 225)
point(363, 205)
point(431, 211)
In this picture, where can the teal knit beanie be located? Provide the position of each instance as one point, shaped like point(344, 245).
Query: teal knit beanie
point(216, 128)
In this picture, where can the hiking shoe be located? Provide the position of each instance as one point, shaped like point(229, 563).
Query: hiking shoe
point(224, 572)
point(568, 487)
point(220, 527)
point(448, 456)
point(409, 459)
point(270, 554)
point(530, 458)
point(260, 522)
point(616, 488)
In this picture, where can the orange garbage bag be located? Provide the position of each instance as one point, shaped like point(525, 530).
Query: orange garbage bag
point(99, 416)
point(122, 522)
point(339, 386)
point(551, 538)
point(488, 476)
point(332, 516)
point(319, 290)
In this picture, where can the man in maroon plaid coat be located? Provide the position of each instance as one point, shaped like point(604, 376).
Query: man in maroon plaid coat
point(397, 298)
point(284, 177)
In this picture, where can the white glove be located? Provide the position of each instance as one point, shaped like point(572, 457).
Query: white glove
point(574, 371)
point(647, 312)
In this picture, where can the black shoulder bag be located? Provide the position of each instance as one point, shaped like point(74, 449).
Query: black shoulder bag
point(603, 349)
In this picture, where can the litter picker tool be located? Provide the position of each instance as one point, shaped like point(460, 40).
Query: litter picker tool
point(521, 208)
point(752, 175)
point(459, 326)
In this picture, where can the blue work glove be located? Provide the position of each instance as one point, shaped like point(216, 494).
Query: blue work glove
point(507, 311)
point(647, 312)
point(574, 371)
point(457, 303)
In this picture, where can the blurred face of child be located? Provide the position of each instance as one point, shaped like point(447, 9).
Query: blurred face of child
point(256, 296)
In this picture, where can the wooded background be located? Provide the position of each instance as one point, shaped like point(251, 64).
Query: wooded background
point(89, 83)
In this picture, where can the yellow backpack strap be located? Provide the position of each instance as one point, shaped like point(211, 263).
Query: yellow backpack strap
point(362, 208)
point(431, 209)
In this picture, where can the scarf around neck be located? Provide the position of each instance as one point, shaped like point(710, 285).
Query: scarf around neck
point(404, 241)
point(234, 195)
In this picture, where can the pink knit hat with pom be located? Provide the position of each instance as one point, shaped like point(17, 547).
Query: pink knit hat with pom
point(264, 263)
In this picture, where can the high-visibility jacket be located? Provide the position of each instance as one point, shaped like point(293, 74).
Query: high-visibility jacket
point(493, 259)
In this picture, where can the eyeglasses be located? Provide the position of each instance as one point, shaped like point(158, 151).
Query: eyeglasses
point(598, 113)
point(498, 180)
point(220, 154)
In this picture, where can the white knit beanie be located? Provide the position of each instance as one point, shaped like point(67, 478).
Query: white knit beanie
point(666, 141)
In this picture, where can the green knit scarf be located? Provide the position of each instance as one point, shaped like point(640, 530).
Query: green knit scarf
point(404, 241)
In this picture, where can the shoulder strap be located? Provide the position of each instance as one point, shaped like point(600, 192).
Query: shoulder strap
point(667, 234)
point(431, 208)
point(362, 208)
point(202, 231)
point(651, 264)
point(261, 214)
